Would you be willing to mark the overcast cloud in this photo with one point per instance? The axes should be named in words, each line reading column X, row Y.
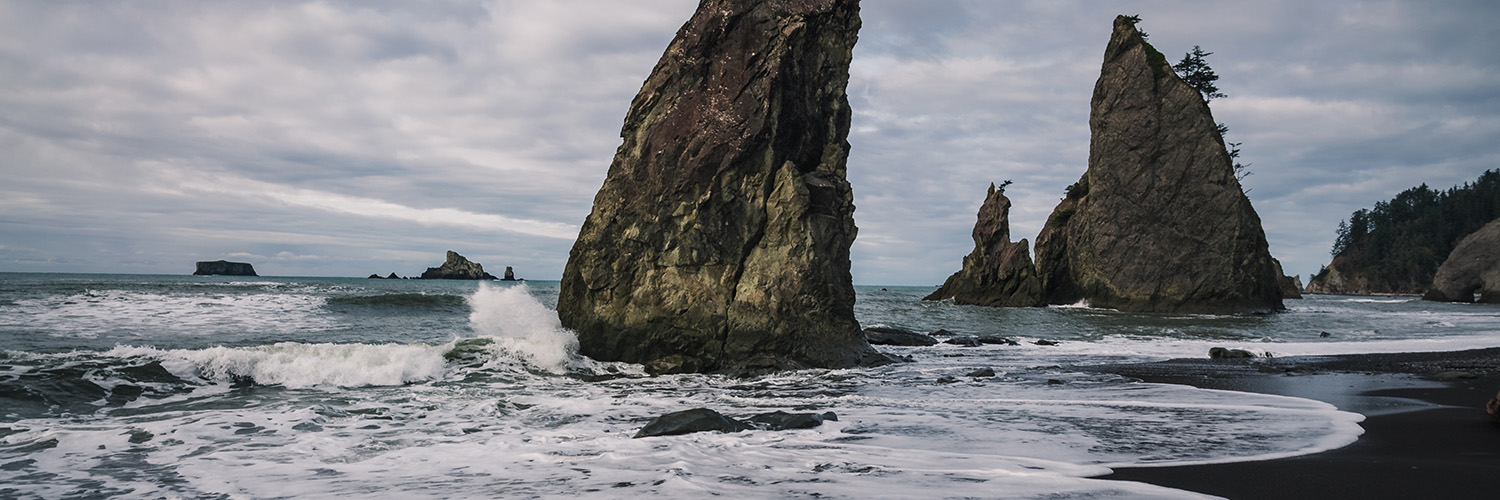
column 340, row 138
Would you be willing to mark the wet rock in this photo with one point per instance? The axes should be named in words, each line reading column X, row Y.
column 1158, row 223
column 1045, row 342
column 780, row 420
column 224, row 268
column 981, row 373
column 690, row 421
column 998, row 272
column 964, row 341
column 723, row 228
column 1225, row 353
column 673, row 364
column 1493, row 408
column 456, row 267
column 1473, row 266
column 993, row 340
column 947, row 379
column 881, row 335
column 941, row 333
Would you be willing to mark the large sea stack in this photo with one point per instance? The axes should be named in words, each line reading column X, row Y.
column 720, row 239
column 1474, row 266
column 224, row 268
column 1158, row 223
column 998, row 272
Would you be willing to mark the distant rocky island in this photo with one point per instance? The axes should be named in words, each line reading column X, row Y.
column 224, row 268
column 720, row 239
column 1396, row 247
column 456, row 267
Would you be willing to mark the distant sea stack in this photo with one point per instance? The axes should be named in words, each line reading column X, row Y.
column 456, row 267
column 224, row 268
column 998, row 272
column 510, row 274
column 1158, row 223
column 720, row 239
column 1473, row 266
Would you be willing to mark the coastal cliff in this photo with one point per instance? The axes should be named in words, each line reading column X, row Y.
column 720, row 239
column 1474, row 266
column 998, row 272
column 1158, row 223
column 224, row 268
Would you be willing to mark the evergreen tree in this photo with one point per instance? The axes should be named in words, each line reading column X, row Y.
column 1195, row 72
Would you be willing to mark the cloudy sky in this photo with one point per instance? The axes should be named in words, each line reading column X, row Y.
column 335, row 138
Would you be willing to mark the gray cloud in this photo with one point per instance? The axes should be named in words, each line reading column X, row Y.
column 344, row 138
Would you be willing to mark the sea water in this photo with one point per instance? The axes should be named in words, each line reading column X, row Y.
column 124, row 386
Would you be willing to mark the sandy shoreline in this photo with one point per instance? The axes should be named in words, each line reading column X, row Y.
column 1426, row 431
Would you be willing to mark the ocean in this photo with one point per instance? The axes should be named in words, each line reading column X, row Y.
column 148, row 386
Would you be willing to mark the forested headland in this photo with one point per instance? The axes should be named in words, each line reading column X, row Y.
column 1397, row 246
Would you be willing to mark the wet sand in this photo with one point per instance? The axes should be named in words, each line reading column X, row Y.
column 1426, row 431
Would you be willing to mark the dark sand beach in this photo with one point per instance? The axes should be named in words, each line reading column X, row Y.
column 1426, row 431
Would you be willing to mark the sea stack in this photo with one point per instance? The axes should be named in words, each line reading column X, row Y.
column 456, row 267
column 224, row 268
column 1474, row 265
column 720, row 239
column 1158, row 223
column 998, row 272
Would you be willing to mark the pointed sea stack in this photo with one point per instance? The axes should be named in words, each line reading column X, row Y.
column 1158, row 222
column 1474, row 266
column 720, row 239
column 997, row 272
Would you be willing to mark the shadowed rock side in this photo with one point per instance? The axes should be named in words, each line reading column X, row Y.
column 720, row 239
column 1473, row 266
column 456, row 267
column 1158, row 223
column 998, row 272
column 1291, row 286
column 224, row 268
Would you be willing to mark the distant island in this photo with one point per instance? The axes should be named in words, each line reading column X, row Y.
column 224, row 268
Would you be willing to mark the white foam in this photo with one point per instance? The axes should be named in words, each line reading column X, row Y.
column 298, row 365
column 147, row 314
column 522, row 326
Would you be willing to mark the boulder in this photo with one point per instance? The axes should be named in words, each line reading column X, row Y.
column 723, row 228
column 1473, row 266
column 998, row 272
column 1158, row 223
column 880, row 335
column 690, row 421
column 780, row 420
column 224, row 268
column 1493, row 408
column 1224, row 353
column 456, row 267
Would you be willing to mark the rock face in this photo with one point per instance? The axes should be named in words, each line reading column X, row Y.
column 1291, row 286
column 721, row 236
column 224, row 268
column 1333, row 281
column 1158, row 223
column 1473, row 266
column 998, row 272
column 456, row 267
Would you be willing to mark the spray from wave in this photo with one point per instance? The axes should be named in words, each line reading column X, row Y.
column 523, row 327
